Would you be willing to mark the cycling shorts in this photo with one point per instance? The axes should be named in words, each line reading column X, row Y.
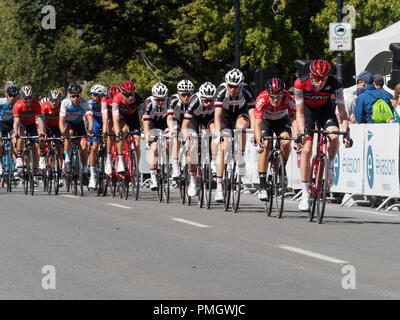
column 79, row 128
column 196, row 122
column 228, row 119
column 269, row 127
column 5, row 128
column 322, row 117
column 132, row 120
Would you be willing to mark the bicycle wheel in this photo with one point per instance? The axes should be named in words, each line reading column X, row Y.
column 122, row 186
column 322, row 181
column 236, row 186
column 182, row 179
column 270, row 190
column 80, row 173
column 56, row 176
column 313, row 190
column 200, row 186
column 207, row 184
column 100, row 181
column 31, row 174
column 279, row 185
column 166, row 173
column 10, row 172
column 74, row 173
column 48, row 172
column 227, row 186
column 159, row 183
column 135, row 178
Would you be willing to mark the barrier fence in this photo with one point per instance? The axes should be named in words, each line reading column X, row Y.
column 369, row 168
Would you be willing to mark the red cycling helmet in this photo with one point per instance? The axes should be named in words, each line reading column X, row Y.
column 320, row 68
column 275, row 86
column 127, row 87
column 113, row 90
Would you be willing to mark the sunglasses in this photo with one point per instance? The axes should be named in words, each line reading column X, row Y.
column 232, row 87
column 320, row 78
column 13, row 95
column 55, row 100
column 185, row 94
column 159, row 99
column 275, row 96
column 95, row 95
column 75, row 96
column 208, row 100
column 359, row 81
column 128, row 95
column 28, row 98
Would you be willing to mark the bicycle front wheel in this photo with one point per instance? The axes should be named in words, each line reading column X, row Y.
column 279, row 185
column 227, row 186
column 236, row 185
column 135, row 177
column 207, row 184
column 165, row 181
column 322, row 187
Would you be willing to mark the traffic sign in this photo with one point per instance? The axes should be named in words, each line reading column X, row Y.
column 340, row 36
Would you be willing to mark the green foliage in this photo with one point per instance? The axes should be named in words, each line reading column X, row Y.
column 155, row 40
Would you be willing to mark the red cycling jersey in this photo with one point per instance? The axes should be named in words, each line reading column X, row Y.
column 27, row 115
column 304, row 92
column 51, row 116
column 264, row 109
column 119, row 106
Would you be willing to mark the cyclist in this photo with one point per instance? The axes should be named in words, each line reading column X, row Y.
column 6, row 115
column 106, row 107
column 315, row 106
column 155, row 117
column 275, row 110
column 26, row 111
column 125, row 111
column 177, row 106
column 200, row 112
column 233, row 100
column 72, row 111
column 51, row 114
column 100, row 118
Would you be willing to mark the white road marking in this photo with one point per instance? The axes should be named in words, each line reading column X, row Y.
column 378, row 213
column 118, row 205
column 312, row 254
column 191, row 223
column 71, row 196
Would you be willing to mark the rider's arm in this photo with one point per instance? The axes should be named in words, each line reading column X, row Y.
column 185, row 127
column 299, row 110
column 217, row 119
column 115, row 114
column 16, row 118
column 104, row 114
column 257, row 130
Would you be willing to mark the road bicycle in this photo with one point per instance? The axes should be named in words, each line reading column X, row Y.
column 7, row 163
column 28, row 168
column 52, row 173
column 74, row 176
column 276, row 178
column 319, row 176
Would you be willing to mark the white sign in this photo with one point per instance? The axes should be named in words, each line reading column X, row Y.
column 349, row 163
column 381, row 174
column 340, row 36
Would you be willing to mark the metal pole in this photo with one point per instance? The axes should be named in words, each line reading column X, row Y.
column 339, row 53
column 237, row 34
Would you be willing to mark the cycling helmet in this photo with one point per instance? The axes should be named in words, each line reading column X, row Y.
column 12, row 90
column 26, row 91
column 114, row 89
column 207, row 90
column 43, row 100
column 74, row 88
column 234, row 77
column 185, row 85
column 99, row 90
column 320, row 68
column 127, row 87
column 55, row 95
column 275, row 86
column 159, row 90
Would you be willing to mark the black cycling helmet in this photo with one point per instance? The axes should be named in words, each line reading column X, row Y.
column 12, row 90
column 275, row 86
column 74, row 88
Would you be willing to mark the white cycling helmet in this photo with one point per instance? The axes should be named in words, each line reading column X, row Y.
column 99, row 89
column 185, row 85
column 234, row 77
column 159, row 90
column 26, row 91
column 207, row 90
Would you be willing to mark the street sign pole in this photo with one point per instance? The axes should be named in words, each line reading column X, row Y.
column 237, row 34
column 339, row 53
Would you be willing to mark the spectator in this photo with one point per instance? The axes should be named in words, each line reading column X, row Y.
column 363, row 79
column 367, row 96
column 396, row 100
column 378, row 83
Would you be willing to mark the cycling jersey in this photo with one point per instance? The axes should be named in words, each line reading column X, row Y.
column 244, row 98
column 156, row 115
column 198, row 114
column 304, row 91
column 119, row 106
column 27, row 114
column 97, row 110
column 264, row 109
column 6, row 111
column 51, row 116
column 197, row 109
column 177, row 108
column 74, row 115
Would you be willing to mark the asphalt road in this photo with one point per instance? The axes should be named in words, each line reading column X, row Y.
column 65, row 247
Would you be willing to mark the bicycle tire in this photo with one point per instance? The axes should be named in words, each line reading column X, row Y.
column 227, row 187
column 200, row 185
column 279, row 185
column 100, row 173
column 56, row 175
column 236, row 186
column 312, row 183
column 322, row 190
column 80, row 172
column 48, row 172
column 159, row 184
column 135, row 179
column 207, row 184
column 166, row 181
column 10, row 171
